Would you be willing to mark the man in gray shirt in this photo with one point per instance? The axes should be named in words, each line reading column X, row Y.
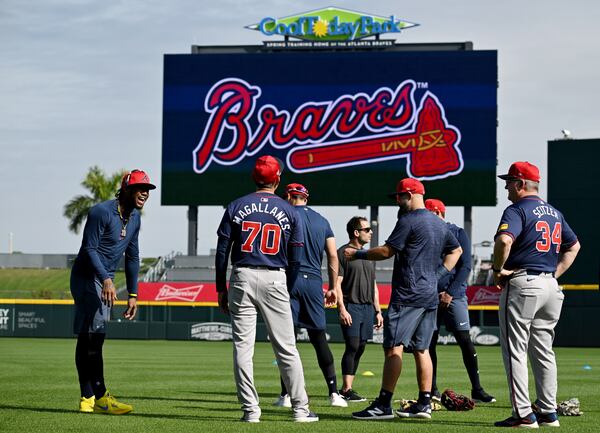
column 358, row 302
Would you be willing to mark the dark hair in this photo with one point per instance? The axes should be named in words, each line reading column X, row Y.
column 354, row 224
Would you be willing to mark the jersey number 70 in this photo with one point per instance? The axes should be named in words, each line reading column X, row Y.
column 544, row 245
column 270, row 235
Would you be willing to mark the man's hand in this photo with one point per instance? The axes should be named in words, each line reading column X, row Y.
column 378, row 320
column 445, row 300
column 131, row 311
column 223, row 302
column 109, row 293
column 345, row 317
column 330, row 298
column 500, row 278
column 349, row 253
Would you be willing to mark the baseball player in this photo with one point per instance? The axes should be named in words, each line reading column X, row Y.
column 264, row 236
column 111, row 230
column 418, row 241
column 453, row 309
column 533, row 247
column 358, row 304
column 306, row 292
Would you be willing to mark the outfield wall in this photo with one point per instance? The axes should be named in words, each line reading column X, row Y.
column 204, row 321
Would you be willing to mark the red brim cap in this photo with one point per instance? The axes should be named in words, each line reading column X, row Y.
column 409, row 185
column 523, row 170
column 267, row 170
column 137, row 177
column 296, row 189
column 433, row 204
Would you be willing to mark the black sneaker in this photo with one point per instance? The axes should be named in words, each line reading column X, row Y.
column 547, row 419
column 529, row 421
column 351, row 396
column 416, row 410
column 374, row 411
column 480, row 396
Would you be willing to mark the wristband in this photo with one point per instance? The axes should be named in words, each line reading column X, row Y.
column 496, row 270
column 361, row 254
column 377, row 311
column 132, row 295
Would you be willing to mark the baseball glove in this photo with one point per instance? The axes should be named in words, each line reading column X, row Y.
column 456, row 402
column 569, row 408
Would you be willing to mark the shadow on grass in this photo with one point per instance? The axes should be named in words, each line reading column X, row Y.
column 129, row 415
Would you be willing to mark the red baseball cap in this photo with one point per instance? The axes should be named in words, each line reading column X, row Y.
column 296, row 189
column 409, row 185
column 136, row 177
column 522, row 170
column 267, row 170
column 433, row 204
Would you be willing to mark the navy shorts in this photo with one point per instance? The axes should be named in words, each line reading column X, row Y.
column 456, row 316
column 307, row 302
column 362, row 321
column 91, row 314
column 411, row 327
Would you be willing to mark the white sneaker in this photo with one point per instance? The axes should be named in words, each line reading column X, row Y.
column 337, row 400
column 283, row 401
column 311, row 417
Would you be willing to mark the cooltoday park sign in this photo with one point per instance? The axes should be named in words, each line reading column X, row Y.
column 330, row 27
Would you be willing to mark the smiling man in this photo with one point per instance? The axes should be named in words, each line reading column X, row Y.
column 111, row 230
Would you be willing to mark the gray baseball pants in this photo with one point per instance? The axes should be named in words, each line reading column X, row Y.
column 529, row 310
column 250, row 291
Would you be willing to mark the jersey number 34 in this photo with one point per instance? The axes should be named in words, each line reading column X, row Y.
column 270, row 235
column 549, row 238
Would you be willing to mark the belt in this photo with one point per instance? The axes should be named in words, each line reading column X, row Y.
column 265, row 268
column 531, row 272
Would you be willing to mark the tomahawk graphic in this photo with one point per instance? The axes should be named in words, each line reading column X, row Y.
column 431, row 149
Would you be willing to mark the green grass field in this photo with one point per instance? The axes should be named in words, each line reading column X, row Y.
column 184, row 386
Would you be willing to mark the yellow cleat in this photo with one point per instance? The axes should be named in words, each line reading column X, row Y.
column 109, row 405
column 86, row 405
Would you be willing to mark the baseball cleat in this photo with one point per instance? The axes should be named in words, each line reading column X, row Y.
column 375, row 411
column 416, row 410
column 109, row 405
column 86, row 405
column 283, row 401
column 351, row 396
column 547, row 419
column 311, row 417
column 529, row 421
column 480, row 396
column 337, row 400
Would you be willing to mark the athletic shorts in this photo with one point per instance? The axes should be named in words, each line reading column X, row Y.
column 307, row 302
column 362, row 321
column 456, row 316
column 91, row 314
column 411, row 327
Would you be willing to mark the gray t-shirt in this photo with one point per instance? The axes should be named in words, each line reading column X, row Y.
column 358, row 284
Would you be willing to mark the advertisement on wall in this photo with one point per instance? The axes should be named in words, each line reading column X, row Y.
column 339, row 121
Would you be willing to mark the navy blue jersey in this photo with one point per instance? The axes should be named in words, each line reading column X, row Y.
column 258, row 227
column 538, row 231
column 316, row 230
column 420, row 238
column 455, row 283
column 102, row 246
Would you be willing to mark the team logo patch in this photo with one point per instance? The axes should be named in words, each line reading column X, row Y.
column 503, row 227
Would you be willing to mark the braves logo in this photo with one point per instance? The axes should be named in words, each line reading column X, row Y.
column 397, row 127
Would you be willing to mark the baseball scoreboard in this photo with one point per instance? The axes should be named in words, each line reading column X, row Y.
column 348, row 125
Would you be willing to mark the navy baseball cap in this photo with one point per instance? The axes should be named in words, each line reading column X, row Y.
column 136, row 177
column 267, row 170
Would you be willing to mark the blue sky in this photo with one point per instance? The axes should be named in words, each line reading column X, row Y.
column 81, row 85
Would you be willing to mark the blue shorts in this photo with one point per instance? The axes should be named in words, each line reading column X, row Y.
column 362, row 321
column 411, row 327
column 456, row 316
column 307, row 302
column 91, row 314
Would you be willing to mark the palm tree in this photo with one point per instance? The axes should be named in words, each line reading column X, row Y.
column 101, row 187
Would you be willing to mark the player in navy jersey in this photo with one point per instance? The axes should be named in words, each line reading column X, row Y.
column 111, row 231
column 417, row 242
column 306, row 292
column 533, row 247
column 264, row 236
column 453, row 309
